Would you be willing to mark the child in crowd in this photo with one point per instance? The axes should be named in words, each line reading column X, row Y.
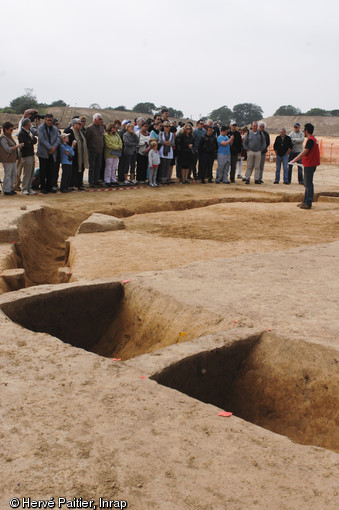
column 66, row 153
column 153, row 162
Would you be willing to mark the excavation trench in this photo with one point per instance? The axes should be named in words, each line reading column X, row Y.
column 291, row 388
column 41, row 245
column 111, row 320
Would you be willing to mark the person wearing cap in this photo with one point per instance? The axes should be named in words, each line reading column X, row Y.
column 122, row 159
column 262, row 130
column 27, row 153
column 297, row 137
column 236, row 148
column 310, row 159
column 83, row 124
column 66, row 156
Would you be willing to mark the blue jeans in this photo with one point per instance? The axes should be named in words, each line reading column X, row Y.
column 284, row 161
column 308, row 183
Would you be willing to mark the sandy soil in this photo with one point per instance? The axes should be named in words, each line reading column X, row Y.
column 224, row 265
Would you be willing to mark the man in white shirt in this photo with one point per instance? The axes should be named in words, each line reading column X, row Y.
column 297, row 137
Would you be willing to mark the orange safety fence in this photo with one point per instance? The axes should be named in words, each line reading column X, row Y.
column 329, row 152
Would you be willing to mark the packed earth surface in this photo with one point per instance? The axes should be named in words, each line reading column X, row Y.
column 121, row 345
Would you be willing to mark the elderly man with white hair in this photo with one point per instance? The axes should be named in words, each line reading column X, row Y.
column 95, row 144
column 139, row 122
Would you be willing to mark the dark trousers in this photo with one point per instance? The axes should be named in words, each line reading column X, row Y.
column 130, row 163
column 193, row 168
column 121, row 168
column 142, row 164
column 102, row 169
column 291, row 156
column 308, row 183
column 205, row 165
column 66, row 177
column 178, row 169
column 234, row 161
column 47, row 166
column 95, row 162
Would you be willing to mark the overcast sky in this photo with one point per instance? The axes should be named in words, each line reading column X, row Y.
column 193, row 55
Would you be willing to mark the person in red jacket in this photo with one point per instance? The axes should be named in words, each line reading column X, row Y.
column 310, row 160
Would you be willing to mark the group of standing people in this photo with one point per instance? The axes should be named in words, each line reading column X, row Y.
column 132, row 152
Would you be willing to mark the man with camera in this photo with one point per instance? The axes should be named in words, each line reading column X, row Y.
column 48, row 141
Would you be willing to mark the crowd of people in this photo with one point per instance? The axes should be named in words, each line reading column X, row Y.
column 141, row 151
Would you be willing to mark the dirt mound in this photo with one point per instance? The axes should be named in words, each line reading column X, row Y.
column 324, row 126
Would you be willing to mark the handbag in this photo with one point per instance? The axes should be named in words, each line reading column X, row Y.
column 146, row 151
column 113, row 152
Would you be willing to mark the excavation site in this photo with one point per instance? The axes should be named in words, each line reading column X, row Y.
column 173, row 347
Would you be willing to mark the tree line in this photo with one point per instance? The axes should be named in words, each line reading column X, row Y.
column 242, row 113
column 317, row 112
column 29, row 100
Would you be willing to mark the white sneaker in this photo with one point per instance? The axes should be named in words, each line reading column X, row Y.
column 127, row 181
column 25, row 192
column 31, row 192
column 134, row 181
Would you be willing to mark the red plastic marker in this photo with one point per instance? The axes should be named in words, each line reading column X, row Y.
column 225, row 413
column 126, row 281
column 268, row 330
column 116, row 359
column 143, row 377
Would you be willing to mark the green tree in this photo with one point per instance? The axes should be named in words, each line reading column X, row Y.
column 223, row 115
column 178, row 114
column 121, row 108
column 96, row 106
column 334, row 113
column 59, row 102
column 245, row 113
column 7, row 109
column 317, row 112
column 287, row 110
column 144, row 108
column 24, row 102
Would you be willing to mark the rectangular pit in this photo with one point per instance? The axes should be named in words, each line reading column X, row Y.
column 291, row 388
